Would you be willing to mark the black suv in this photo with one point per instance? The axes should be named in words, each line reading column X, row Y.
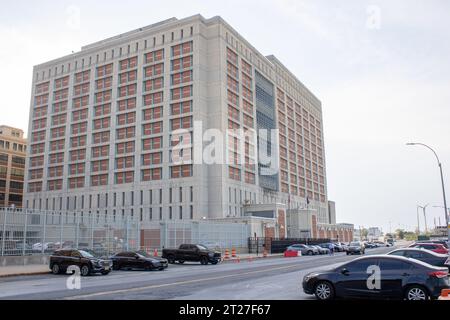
column 61, row 260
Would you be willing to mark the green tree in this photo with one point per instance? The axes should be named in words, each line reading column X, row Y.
column 400, row 233
column 410, row 236
column 364, row 233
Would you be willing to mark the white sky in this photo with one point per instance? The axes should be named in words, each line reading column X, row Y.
column 380, row 68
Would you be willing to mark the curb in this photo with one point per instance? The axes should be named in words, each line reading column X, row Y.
column 253, row 258
column 24, row 274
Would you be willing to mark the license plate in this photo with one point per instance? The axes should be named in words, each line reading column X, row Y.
column 107, row 268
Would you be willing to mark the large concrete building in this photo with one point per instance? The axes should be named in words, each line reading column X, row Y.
column 12, row 166
column 103, row 121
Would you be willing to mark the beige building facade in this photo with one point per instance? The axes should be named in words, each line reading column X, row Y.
column 102, row 125
column 13, row 147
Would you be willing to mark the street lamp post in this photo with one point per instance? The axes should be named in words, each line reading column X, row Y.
column 418, row 221
column 424, row 208
column 442, row 183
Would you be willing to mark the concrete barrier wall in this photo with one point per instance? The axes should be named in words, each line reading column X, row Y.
column 23, row 260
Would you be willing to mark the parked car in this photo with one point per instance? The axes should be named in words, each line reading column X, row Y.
column 327, row 245
column 443, row 242
column 137, row 260
column 338, row 247
column 60, row 260
column 192, row 252
column 16, row 248
column 436, row 247
column 320, row 249
column 356, row 247
column 305, row 250
column 380, row 244
column 401, row 278
column 344, row 246
column 314, row 248
column 48, row 247
column 369, row 245
column 430, row 257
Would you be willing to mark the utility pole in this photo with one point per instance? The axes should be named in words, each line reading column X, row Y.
column 418, row 221
column 424, row 215
column 447, row 222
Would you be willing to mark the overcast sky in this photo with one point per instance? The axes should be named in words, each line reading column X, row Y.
column 380, row 68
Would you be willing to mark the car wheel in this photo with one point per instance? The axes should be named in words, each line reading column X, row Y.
column 171, row 258
column 180, row 261
column 56, row 269
column 214, row 262
column 85, row 270
column 204, row 260
column 148, row 267
column 348, row 253
column 105, row 272
column 324, row 291
column 416, row 292
column 309, row 253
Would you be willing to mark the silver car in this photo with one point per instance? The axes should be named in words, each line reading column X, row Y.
column 304, row 249
column 321, row 250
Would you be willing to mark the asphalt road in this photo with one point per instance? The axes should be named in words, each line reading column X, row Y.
column 272, row 278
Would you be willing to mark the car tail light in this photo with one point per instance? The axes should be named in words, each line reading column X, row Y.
column 438, row 274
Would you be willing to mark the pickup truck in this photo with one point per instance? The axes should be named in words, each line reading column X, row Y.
column 191, row 252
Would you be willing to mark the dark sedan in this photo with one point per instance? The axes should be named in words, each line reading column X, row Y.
column 430, row 257
column 137, row 260
column 378, row 277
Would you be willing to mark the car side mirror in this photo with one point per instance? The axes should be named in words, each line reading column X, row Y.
column 344, row 271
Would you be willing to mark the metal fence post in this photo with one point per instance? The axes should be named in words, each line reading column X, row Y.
column 77, row 232
column 4, row 231
column 91, row 240
column 44, row 231
column 126, row 233
column 61, row 229
column 138, row 233
column 25, row 230
column 175, row 236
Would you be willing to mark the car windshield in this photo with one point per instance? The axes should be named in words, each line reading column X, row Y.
column 86, row 254
column 202, row 247
column 354, row 243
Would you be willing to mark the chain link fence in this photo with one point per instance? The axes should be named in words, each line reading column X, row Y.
column 32, row 232
column 35, row 232
column 214, row 235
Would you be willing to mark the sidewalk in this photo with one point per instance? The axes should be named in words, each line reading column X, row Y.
column 246, row 257
column 11, row 271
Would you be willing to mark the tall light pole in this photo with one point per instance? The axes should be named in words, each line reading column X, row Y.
column 418, row 221
column 442, row 183
column 424, row 208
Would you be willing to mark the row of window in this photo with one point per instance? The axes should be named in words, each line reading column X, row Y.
column 12, row 185
column 152, row 174
column 7, row 145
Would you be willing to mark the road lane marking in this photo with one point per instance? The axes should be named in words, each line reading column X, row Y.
column 172, row 284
